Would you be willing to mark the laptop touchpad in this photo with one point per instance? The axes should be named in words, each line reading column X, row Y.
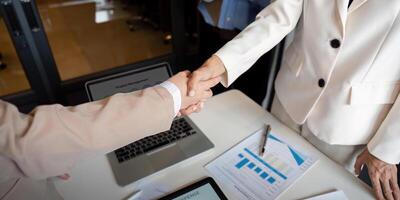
column 165, row 157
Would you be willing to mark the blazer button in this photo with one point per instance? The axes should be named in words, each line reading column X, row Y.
column 335, row 43
column 321, row 83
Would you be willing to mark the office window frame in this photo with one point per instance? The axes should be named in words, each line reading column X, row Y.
column 42, row 80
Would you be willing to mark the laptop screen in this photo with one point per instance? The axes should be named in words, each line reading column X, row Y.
column 127, row 81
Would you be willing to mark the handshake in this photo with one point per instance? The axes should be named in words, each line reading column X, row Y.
column 196, row 87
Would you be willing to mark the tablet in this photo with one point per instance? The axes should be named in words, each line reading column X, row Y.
column 206, row 189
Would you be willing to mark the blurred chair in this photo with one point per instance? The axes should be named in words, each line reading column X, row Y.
column 150, row 13
column 147, row 14
column 2, row 64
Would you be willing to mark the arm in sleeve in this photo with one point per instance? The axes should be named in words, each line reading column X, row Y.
column 51, row 139
column 271, row 25
column 385, row 143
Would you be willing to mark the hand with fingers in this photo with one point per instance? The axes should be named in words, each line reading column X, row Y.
column 383, row 176
column 64, row 177
column 210, row 72
column 195, row 102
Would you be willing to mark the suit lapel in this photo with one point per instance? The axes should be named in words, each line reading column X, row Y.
column 342, row 9
column 356, row 4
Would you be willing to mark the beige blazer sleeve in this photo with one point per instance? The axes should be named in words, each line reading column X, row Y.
column 271, row 26
column 51, row 139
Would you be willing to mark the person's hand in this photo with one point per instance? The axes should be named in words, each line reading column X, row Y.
column 204, row 92
column 383, row 176
column 212, row 68
column 64, row 177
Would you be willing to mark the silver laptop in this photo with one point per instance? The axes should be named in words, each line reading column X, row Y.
column 156, row 152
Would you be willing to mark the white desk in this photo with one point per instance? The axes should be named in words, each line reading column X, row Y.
column 226, row 119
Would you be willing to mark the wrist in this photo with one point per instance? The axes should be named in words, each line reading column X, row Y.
column 176, row 94
column 216, row 64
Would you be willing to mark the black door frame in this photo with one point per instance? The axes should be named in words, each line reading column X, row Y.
column 44, row 86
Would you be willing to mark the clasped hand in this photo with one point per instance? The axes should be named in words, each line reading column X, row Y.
column 194, row 102
column 196, row 87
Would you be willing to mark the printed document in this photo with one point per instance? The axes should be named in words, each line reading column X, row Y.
column 245, row 175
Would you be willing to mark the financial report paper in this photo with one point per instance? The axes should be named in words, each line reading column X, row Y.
column 246, row 175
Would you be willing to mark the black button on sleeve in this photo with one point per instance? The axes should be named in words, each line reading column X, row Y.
column 335, row 43
column 321, row 83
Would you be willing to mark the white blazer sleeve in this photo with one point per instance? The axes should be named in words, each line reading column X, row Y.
column 385, row 145
column 271, row 26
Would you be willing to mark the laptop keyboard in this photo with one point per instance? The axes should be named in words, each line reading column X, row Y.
column 180, row 129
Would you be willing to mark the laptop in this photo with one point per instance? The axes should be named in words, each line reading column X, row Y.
column 159, row 151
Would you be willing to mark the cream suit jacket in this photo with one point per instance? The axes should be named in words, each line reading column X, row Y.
column 345, row 90
column 51, row 139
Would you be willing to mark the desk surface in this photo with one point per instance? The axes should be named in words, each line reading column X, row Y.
column 226, row 119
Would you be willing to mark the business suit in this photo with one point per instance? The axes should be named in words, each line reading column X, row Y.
column 230, row 14
column 340, row 76
column 51, row 139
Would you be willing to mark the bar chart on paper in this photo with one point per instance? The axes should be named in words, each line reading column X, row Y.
column 248, row 176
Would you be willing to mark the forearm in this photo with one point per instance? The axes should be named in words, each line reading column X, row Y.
column 271, row 26
column 52, row 139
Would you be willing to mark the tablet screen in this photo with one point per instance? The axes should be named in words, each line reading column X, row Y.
column 206, row 189
column 205, row 192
